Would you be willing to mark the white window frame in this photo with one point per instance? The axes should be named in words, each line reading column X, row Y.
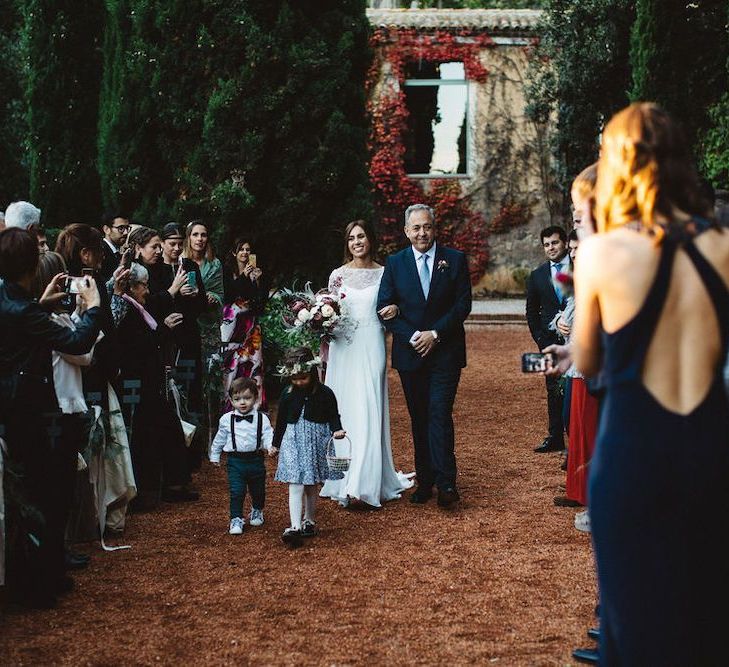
column 469, row 115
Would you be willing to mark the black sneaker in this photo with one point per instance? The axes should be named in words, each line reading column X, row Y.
column 309, row 529
column 292, row 538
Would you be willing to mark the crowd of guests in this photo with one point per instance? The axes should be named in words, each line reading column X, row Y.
column 113, row 349
column 632, row 304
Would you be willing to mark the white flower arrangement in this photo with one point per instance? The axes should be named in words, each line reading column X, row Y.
column 289, row 370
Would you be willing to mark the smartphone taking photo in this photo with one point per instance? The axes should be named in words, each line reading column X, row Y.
column 537, row 362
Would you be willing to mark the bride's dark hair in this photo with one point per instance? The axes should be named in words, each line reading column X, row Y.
column 369, row 233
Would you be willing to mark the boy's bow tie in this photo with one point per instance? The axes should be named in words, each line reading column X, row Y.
column 240, row 418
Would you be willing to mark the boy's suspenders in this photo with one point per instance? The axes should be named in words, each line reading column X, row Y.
column 259, row 432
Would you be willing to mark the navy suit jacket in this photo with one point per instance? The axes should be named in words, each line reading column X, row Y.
column 542, row 305
column 445, row 310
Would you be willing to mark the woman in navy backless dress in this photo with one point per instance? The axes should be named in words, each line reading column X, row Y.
column 659, row 480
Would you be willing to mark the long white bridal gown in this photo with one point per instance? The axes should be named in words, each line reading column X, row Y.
column 357, row 374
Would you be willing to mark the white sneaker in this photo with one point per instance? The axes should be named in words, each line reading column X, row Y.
column 236, row 526
column 582, row 521
column 256, row 518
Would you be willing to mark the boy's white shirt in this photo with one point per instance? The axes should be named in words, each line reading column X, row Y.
column 245, row 435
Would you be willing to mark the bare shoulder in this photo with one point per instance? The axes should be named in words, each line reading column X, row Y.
column 614, row 252
column 714, row 243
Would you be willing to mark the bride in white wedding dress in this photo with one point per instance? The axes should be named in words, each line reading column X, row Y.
column 357, row 374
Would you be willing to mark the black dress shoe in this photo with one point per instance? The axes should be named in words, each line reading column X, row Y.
column 292, row 538
column 594, row 633
column 76, row 561
column 77, row 555
column 564, row 501
column 550, row 445
column 588, row 656
column 420, row 496
column 447, row 496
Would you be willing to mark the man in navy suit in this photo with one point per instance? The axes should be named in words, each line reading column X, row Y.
column 430, row 285
column 544, row 300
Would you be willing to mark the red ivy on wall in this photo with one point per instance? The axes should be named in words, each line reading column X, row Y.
column 458, row 225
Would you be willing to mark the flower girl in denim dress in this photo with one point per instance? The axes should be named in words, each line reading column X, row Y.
column 307, row 418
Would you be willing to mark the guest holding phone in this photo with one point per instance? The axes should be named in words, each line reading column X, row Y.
column 198, row 248
column 245, row 295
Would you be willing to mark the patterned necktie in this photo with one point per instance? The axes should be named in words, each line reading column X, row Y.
column 424, row 273
column 557, row 287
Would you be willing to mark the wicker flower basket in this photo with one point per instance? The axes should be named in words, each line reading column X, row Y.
column 338, row 463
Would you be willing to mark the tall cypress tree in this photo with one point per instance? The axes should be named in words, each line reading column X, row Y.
column 678, row 54
column 14, row 173
column 580, row 77
column 283, row 156
column 60, row 46
column 157, row 76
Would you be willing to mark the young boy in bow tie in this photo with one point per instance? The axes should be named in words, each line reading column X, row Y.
column 243, row 434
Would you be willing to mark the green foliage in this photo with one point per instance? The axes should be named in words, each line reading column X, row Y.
column 14, row 174
column 277, row 337
column 250, row 115
column 156, row 74
column 580, row 77
column 715, row 148
column 678, row 52
column 60, row 52
column 283, row 153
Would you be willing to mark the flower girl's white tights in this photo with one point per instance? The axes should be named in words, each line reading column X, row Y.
column 302, row 497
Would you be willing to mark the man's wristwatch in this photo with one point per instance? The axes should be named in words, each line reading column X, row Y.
column 435, row 335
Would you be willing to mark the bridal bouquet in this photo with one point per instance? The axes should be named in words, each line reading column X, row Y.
column 322, row 313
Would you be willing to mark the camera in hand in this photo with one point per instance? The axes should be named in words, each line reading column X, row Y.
column 73, row 283
column 537, row 362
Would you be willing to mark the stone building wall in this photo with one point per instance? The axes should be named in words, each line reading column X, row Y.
column 509, row 166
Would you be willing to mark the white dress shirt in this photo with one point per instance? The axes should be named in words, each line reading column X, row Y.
column 245, row 435
column 114, row 248
column 430, row 253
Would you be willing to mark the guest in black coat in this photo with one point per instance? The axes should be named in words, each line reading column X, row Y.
column 544, row 300
column 158, row 448
column 116, row 228
column 29, row 335
column 190, row 302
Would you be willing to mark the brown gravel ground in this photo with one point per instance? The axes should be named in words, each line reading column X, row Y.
column 503, row 579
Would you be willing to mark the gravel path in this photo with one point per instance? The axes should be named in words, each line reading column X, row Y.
column 504, row 579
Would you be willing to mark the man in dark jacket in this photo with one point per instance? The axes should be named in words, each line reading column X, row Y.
column 116, row 229
column 544, row 300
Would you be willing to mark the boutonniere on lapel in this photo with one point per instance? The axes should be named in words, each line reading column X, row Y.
column 443, row 265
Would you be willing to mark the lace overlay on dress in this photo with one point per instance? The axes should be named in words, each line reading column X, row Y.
column 346, row 276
